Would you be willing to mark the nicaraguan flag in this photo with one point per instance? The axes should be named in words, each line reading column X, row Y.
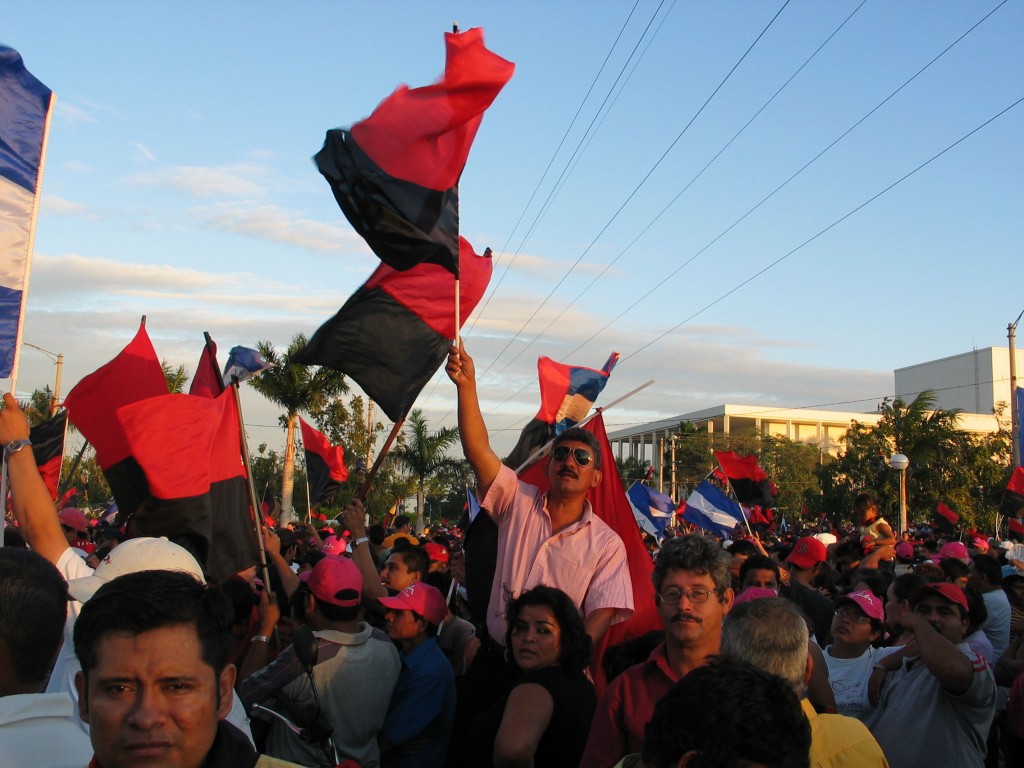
column 473, row 506
column 25, row 105
column 652, row 509
column 243, row 363
column 712, row 510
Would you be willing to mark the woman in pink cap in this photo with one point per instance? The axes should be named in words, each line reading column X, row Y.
column 851, row 658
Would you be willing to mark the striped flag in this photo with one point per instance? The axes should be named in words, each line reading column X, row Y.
column 652, row 509
column 712, row 510
column 25, row 108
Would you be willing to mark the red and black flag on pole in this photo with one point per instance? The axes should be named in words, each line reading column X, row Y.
column 325, row 464
column 1012, row 504
column 396, row 173
column 945, row 518
column 135, row 374
column 749, row 482
column 48, row 448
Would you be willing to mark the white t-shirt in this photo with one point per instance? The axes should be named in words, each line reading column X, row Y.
column 849, row 681
column 41, row 729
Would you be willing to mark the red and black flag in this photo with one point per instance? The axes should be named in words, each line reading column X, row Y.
column 48, row 448
column 1012, row 504
column 749, row 482
column 189, row 449
column 207, row 381
column 394, row 332
column 396, row 173
column 325, row 464
column 1015, row 529
column 135, row 374
column 945, row 518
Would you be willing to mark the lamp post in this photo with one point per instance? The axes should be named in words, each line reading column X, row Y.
column 59, row 358
column 899, row 462
column 1015, row 415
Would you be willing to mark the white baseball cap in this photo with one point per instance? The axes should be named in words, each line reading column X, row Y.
column 141, row 554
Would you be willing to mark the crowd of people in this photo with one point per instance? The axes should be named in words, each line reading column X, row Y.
column 477, row 646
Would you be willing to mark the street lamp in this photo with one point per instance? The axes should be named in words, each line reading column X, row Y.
column 899, row 462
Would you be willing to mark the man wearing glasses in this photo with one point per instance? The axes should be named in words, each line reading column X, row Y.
column 693, row 592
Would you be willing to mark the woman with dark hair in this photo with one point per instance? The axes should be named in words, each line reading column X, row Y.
column 545, row 717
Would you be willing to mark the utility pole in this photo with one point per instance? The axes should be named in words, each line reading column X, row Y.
column 1011, row 332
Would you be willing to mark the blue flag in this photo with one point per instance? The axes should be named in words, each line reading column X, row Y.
column 652, row 509
column 712, row 510
column 473, row 505
column 243, row 363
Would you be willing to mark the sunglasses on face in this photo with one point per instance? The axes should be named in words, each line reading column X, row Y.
column 581, row 456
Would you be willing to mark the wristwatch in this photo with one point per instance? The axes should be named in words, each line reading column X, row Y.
column 360, row 540
column 14, row 446
column 260, row 639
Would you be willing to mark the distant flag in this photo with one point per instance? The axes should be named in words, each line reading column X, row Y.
column 207, row 381
column 48, row 448
column 1016, row 529
column 65, row 500
column 567, row 393
column 325, row 464
column 393, row 333
column 749, row 482
column 652, row 509
column 783, row 525
column 396, row 173
column 709, row 508
column 472, row 505
column 1013, row 498
column 243, row 363
column 25, row 108
column 135, row 374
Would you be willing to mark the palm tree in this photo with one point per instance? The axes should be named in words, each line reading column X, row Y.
column 296, row 388
column 175, row 377
column 424, row 456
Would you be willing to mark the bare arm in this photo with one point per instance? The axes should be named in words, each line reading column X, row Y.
column 289, row 580
column 258, row 655
column 354, row 518
column 597, row 623
column 472, row 429
column 943, row 659
column 33, row 507
column 527, row 715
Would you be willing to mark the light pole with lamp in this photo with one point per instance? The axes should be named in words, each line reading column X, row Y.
column 899, row 462
column 1011, row 332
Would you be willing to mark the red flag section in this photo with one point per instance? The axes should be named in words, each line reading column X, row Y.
column 207, row 381
column 395, row 174
column 947, row 514
column 325, row 464
column 749, row 482
column 1016, row 529
column 135, row 374
column 1013, row 498
column 611, row 505
column 48, row 449
column 394, row 332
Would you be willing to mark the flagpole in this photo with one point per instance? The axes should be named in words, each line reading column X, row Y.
column 368, row 480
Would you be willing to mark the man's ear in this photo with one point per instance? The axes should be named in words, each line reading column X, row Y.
column 82, row 686
column 597, row 478
column 809, row 669
column 225, row 690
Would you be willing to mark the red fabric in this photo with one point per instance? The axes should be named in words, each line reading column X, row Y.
column 611, row 505
column 1016, row 484
column 1016, row 526
column 48, row 450
column 135, row 374
column 738, row 467
column 423, row 135
column 947, row 513
column 554, row 383
column 428, row 290
column 332, row 455
column 207, row 381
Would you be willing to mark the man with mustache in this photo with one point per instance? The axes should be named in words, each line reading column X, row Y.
column 693, row 592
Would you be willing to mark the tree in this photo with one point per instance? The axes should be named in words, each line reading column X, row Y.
column 296, row 388
column 424, row 456
column 632, row 469
column 175, row 377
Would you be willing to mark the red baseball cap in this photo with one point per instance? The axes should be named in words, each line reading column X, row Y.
column 335, row 580
column 950, row 592
column 438, row 553
column 419, row 598
column 868, row 603
column 807, row 553
column 74, row 518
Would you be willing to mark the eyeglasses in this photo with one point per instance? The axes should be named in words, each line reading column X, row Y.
column 581, row 456
column 672, row 596
column 853, row 616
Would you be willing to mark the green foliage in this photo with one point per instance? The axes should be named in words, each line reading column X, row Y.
column 37, row 407
column 424, row 456
column 87, row 478
column 632, row 469
column 175, row 377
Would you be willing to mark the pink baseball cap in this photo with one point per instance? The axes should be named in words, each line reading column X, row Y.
column 868, row 603
column 905, row 550
column 754, row 593
column 807, row 553
column 335, row 580
column 419, row 598
column 75, row 518
column 955, row 550
column 950, row 592
column 334, row 545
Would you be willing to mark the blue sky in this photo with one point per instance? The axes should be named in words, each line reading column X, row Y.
column 179, row 185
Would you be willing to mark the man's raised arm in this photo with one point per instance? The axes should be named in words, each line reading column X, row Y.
column 475, row 442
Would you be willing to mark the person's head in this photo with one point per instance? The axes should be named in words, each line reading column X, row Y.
column 575, row 464
column 897, row 597
column 848, row 555
column 439, row 555
column 874, row 580
column 865, row 507
column 402, row 524
column 414, row 614
column 944, row 606
column 143, row 553
column 772, row 635
column 977, row 611
column 155, row 680
column 985, row 573
column 1013, row 586
column 693, row 592
column 376, row 534
column 954, row 571
column 404, row 566
column 739, row 551
column 333, row 589
column 807, row 554
column 857, row 623
column 545, row 630
column 760, row 571
column 753, row 718
column 33, row 608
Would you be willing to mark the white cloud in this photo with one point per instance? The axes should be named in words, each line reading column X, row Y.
column 72, row 113
column 54, row 204
column 241, row 180
column 142, row 153
column 279, row 225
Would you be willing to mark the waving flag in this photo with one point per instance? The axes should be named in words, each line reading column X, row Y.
column 567, row 393
column 48, row 448
column 749, row 482
column 394, row 332
column 652, row 509
column 710, row 509
column 243, row 363
column 396, row 173
column 25, row 108
column 325, row 464
column 472, row 505
column 207, row 381
column 1012, row 504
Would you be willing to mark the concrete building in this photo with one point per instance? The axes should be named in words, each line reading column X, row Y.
column 975, row 382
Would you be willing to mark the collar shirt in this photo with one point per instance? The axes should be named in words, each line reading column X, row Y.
column 838, row 741
column 40, row 729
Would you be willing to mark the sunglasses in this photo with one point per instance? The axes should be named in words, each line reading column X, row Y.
column 581, row 456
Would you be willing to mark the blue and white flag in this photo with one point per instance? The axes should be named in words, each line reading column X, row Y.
column 472, row 505
column 652, row 509
column 243, row 363
column 709, row 508
column 25, row 106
